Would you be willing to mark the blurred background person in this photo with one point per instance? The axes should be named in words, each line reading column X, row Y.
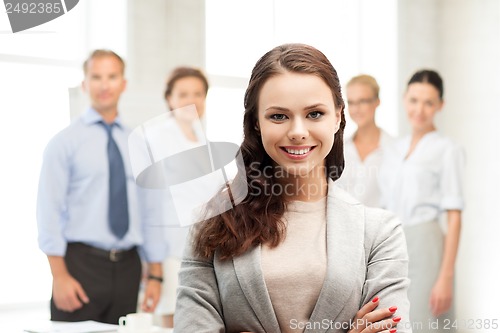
column 92, row 218
column 185, row 86
column 363, row 150
column 421, row 178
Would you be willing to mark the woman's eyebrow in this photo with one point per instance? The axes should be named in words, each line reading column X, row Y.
column 277, row 108
column 314, row 106
column 280, row 108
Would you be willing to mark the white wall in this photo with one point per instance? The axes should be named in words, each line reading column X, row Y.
column 461, row 39
column 470, row 62
column 418, row 44
column 162, row 34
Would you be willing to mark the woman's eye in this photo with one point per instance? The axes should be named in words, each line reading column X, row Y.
column 278, row 117
column 315, row 114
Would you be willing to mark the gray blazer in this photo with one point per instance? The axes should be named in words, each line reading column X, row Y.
column 367, row 257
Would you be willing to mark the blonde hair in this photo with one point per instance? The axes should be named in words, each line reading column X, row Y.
column 366, row 80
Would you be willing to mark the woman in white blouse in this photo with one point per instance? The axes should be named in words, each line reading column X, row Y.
column 421, row 178
column 182, row 130
column 363, row 150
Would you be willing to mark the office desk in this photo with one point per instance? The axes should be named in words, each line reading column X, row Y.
column 47, row 326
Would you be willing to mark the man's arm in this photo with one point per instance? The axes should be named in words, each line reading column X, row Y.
column 153, row 287
column 154, row 246
column 52, row 191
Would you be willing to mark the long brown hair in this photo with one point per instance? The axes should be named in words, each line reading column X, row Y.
column 258, row 218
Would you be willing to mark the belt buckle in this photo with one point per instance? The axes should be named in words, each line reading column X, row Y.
column 114, row 255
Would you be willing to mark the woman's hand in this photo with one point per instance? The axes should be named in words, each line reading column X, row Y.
column 441, row 296
column 369, row 320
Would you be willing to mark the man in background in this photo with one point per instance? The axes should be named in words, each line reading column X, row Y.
column 92, row 218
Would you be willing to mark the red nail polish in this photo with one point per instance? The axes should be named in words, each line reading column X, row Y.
column 396, row 319
column 393, row 331
column 393, row 308
column 375, row 300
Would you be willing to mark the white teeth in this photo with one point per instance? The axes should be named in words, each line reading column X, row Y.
column 297, row 151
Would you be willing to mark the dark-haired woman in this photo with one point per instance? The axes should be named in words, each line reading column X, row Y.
column 421, row 178
column 185, row 94
column 297, row 254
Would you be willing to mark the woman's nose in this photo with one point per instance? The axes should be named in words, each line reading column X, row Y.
column 298, row 131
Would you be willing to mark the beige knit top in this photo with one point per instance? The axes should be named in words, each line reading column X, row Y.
column 294, row 271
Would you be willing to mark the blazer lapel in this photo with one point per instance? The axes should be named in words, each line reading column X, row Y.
column 249, row 274
column 344, row 239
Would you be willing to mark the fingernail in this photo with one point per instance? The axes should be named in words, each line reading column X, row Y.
column 375, row 300
column 393, row 331
column 393, row 308
column 396, row 319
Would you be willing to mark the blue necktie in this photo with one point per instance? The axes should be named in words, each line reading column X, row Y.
column 118, row 204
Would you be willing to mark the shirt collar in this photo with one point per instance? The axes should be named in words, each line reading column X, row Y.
column 91, row 116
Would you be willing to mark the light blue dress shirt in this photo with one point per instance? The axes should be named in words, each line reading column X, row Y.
column 72, row 203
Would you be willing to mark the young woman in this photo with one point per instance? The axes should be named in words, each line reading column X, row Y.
column 297, row 254
column 186, row 87
column 421, row 178
column 364, row 149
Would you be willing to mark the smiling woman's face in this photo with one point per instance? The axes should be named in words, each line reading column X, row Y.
column 422, row 103
column 186, row 91
column 297, row 120
column 362, row 103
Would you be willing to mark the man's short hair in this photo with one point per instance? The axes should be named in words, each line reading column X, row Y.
column 102, row 53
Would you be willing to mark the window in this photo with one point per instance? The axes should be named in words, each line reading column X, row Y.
column 357, row 36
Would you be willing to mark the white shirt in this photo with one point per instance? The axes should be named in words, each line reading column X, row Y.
column 418, row 189
column 179, row 201
column 360, row 178
column 175, row 233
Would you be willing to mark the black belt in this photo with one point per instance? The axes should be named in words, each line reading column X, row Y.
column 112, row 255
